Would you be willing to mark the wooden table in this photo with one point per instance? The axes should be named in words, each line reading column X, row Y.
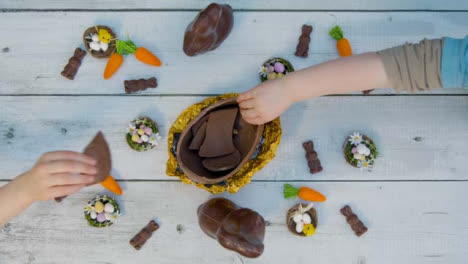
column 414, row 202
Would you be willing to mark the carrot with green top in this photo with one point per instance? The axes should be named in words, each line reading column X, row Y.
column 342, row 44
column 305, row 193
column 111, row 184
column 113, row 64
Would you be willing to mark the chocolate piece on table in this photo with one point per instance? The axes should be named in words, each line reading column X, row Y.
column 73, row 64
column 132, row 86
column 302, row 49
column 222, row 163
column 197, row 125
column 312, row 157
column 198, row 137
column 218, row 139
column 209, row 29
column 99, row 150
column 140, row 239
column 235, row 228
column 367, row 92
column 358, row 227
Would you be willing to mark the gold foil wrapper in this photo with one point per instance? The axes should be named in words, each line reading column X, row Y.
column 271, row 134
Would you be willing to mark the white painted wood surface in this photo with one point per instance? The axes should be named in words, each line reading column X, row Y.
column 239, row 4
column 39, row 51
column 393, row 122
column 412, row 222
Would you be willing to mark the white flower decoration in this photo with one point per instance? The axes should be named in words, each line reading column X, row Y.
column 355, row 138
column 154, row 139
column 357, row 156
column 263, row 71
column 364, row 165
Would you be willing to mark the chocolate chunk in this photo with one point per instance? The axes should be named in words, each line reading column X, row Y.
column 198, row 124
column 235, row 228
column 222, row 163
column 367, row 92
column 302, row 49
column 132, row 86
column 140, row 239
column 356, row 225
column 312, row 157
column 218, row 139
column 73, row 64
column 209, row 29
column 198, row 138
column 99, row 150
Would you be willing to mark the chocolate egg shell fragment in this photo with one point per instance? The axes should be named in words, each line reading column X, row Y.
column 208, row 30
column 99, row 150
column 222, row 163
column 218, row 141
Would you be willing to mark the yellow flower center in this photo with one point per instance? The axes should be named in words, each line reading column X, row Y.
column 356, row 138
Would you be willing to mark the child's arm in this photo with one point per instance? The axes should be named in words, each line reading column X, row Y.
column 268, row 100
column 56, row 174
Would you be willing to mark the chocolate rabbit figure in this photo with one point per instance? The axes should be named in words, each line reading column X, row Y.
column 238, row 229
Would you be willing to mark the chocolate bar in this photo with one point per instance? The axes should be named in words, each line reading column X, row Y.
column 358, row 227
column 73, row 64
column 302, row 49
column 140, row 239
column 132, row 86
column 312, row 157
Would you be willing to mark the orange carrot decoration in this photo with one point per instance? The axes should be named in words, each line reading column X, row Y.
column 342, row 44
column 147, row 57
column 304, row 193
column 113, row 64
column 110, row 184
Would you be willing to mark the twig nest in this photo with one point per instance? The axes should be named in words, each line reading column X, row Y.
column 360, row 151
column 301, row 220
column 99, row 41
column 143, row 134
column 275, row 68
column 101, row 211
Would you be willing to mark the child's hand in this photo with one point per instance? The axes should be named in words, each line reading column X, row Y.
column 265, row 102
column 57, row 174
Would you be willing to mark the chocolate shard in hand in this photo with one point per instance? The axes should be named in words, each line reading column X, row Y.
column 140, row 239
column 312, row 157
column 302, row 49
column 222, row 163
column 132, row 86
column 208, row 30
column 356, row 225
column 198, row 137
column 99, row 150
column 73, row 64
column 218, row 139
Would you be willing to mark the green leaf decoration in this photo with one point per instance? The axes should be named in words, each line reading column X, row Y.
column 336, row 33
column 289, row 191
column 125, row 47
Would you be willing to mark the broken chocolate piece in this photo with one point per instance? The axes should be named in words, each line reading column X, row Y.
column 312, row 157
column 209, row 29
column 140, row 239
column 218, row 139
column 198, row 124
column 302, row 49
column 132, row 86
column 222, row 163
column 358, row 227
column 73, row 64
column 367, row 92
column 198, row 138
column 99, row 150
column 235, row 228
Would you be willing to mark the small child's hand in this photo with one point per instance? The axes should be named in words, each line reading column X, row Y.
column 265, row 102
column 57, row 174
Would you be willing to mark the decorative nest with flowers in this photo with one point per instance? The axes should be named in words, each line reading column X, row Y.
column 101, row 211
column 360, row 151
column 100, row 41
column 275, row 68
column 143, row 134
column 301, row 219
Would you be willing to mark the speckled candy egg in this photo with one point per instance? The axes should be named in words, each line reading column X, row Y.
column 299, row 227
column 148, row 131
column 99, row 207
column 306, row 219
column 109, row 208
column 93, row 215
column 101, row 217
column 95, row 46
column 271, row 76
column 135, row 138
column 108, row 216
column 279, row 67
column 297, row 218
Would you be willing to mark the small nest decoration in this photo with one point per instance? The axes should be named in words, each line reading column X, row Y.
column 99, row 41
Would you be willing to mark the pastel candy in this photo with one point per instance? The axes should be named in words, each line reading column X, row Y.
column 148, row 131
column 99, row 207
column 109, row 208
column 101, row 217
column 279, row 67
